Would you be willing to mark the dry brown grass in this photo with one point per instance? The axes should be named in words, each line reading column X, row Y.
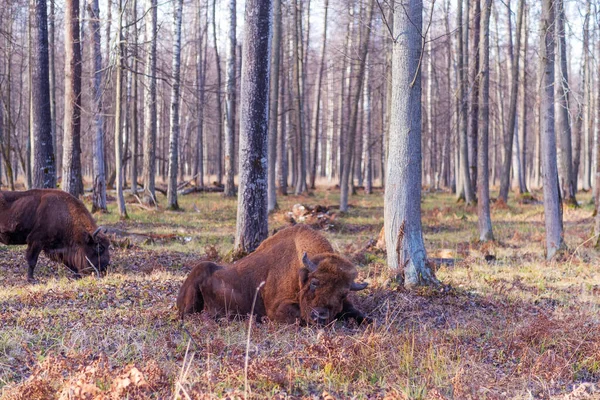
column 518, row 327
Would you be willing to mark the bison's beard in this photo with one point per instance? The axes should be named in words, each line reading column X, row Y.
column 74, row 259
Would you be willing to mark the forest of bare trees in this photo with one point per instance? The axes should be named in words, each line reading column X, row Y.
column 145, row 98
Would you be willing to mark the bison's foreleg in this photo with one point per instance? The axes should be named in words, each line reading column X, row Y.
column 348, row 311
column 287, row 312
column 32, row 255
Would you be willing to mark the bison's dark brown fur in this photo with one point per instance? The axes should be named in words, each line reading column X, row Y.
column 55, row 222
column 304, row 280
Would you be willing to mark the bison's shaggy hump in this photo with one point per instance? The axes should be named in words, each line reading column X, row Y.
column 304, row 280
column 55, row 222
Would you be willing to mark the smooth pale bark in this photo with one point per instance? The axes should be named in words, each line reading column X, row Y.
column 446, row 150
column 483, row 185
column 514, row 56
column 230, row 110
column 218, row 98
column 134, row 123
column 282, row 143
column 118, row 113
column 71, row 165
column 175, row 87
column 432, row 175
column 52, row 53
column 274, row 105
column 367, row 133
column 99, row 185
column 552, row 203
column 297, row 80
column 475, row 20
column 524, row 104
column 150, row 117
column 316, row 125
column 329, row 158
column 201, row 63
column 353, row 126
column 402, row 209
column 43, row 172
column 252, row 215
column 465, row 180
column 587, row 108
column 563, row 123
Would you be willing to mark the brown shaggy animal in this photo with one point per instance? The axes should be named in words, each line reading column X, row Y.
column 57, row 223
column 303, row 280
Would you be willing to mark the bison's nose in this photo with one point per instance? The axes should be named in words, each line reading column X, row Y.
column 320, row 316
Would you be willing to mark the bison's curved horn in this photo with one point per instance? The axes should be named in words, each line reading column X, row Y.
column 96, row 232
column 312, row 267
column 355, row 287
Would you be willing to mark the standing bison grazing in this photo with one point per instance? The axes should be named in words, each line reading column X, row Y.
column 55, row 222
column 304, row 280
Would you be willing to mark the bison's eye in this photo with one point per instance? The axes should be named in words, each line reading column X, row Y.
column 314, row 284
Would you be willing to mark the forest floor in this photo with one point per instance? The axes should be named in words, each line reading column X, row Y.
column 514, row 327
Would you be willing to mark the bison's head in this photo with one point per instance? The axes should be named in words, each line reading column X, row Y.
column 95, row 253
column 325, row 281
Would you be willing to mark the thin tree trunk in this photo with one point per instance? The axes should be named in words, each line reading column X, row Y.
column 71, row 165
column 43, row 173
column 483, row 186
column 367, row 136
column 274, row 105
column 99, row 185
column 230, row 104
column 523, row 104
column 150, row 116
column 402, row 210
column 512, row 110
column 298, row 101
column 118, row 112
column 465, row 180
column 219, row 116
column 134, row 122
column 316, row 125
column 346, row 175
column 252, row 216
column 475, row 19
column 552, row 203
column 282, row 143
column 563, row 126
column 587, row 109
column 174, row 134
column 201, row 63
column 52, row 50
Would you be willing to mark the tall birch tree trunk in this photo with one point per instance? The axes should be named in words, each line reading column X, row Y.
column 353, row 127
column 282, row 143
column 135, row 120
column 252, row 216
column 99, row 185
column 150, row 117
column 230, row 103
column 524, row 102
column 274, row 105
column 402, row 210
column 44, row 172
column 483, row 185
column 52, row 52
column 71, row 165
column 587, row 105
column 552, row 202
column 174, row 134
column 298, row 101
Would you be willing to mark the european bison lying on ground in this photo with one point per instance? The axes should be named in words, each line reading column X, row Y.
column 304, row 280
column 55, row 222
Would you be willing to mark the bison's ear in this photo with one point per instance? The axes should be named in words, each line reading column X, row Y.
column 303, row 276
column 87, row 238
column 355, row 287
column 311, row 266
